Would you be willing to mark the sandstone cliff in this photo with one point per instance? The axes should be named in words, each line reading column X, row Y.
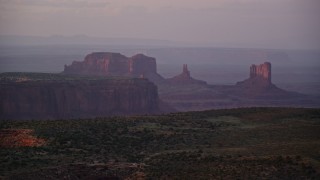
column 77, row 98
column 262, row 71
column 115, row 64
column 260, row 76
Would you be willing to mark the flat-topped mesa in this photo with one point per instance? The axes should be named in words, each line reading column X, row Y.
column 262, row 70
column 58, row 96
column 140, row 64
column 115, row 64
column 99, row 63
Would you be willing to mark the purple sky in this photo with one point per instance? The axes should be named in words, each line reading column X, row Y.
column 234, row 23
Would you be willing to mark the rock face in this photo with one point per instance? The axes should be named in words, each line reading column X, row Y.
column 77, row 98
column 261, row 71
column 185, row 78
column 259, row 84
column 116, row 64
column 260, row 75
column 141, row 64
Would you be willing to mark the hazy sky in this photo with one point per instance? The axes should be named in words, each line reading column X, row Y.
column 236, row 23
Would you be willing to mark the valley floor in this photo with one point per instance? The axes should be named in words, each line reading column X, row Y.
column 245, row 143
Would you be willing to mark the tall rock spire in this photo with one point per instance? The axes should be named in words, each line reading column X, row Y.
column 185, row 71
column 185, row 78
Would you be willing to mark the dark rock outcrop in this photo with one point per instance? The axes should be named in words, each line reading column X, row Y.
column 185, row 78
column 116, row 64
column 53, row 99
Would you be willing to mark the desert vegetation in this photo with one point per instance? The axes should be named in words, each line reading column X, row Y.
column 267, row 143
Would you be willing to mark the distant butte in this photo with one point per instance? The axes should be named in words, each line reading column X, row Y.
column 183, row 92
column 259, row 83
column 116, row 64
column 260, row 75
column 185, row 78
column 262, row 70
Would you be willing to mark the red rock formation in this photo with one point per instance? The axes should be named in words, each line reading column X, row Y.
column 185, row 72
column 185, row 78
column 115, row 64
column 99, row 63
column 53, row 99
column 262, row 70
column 259, row 84
column 260, row 76
column 141, row 64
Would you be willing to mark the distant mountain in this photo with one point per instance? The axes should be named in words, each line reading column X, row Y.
column 14, row 40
